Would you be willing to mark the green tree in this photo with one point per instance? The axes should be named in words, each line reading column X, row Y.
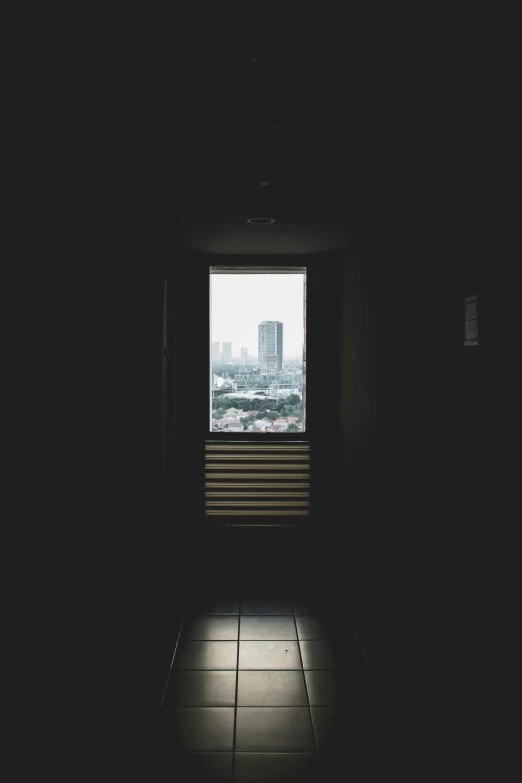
column 220, row 412
column 272, row 415
column 293, row 399
column 245, row 421
column 292, row 428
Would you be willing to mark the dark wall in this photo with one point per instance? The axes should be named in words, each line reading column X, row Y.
column 405, row 395
column 417, row 418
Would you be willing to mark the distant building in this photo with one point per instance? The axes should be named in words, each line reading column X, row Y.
column 270, row 345
column 235, row 427
column 215, row 351
column 226, row 353
column 230, row 423
column 246, row 395
column 244, row 356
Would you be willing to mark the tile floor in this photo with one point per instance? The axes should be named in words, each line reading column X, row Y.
column 251, row 693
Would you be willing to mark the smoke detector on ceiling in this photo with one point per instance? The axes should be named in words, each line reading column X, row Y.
column 260, row 221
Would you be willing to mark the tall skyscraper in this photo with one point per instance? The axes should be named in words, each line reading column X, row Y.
column 270, row 345
column 244, row 356
column 226, row 353
column 215, row 351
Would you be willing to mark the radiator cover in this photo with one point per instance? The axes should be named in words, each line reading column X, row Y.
column 250, row 479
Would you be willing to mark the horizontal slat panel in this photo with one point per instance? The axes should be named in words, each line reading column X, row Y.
column 215, row 503
column 257, row 479
column 239, row 466
column 257, row 485
column 254, row 512
column 255, row 447
column 267, row 495
column 267, row 457
column 257, row 475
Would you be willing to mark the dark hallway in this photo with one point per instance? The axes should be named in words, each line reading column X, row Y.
column 344, row 642
column 370, row 566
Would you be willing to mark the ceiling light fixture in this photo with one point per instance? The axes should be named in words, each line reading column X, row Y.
column 260, row 221
column 264, row 184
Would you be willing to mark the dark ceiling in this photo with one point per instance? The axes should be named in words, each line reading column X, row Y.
column 349, row 140
column 266, row 118
column 234, row 235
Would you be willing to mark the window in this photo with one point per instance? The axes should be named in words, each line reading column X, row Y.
column 257, row 349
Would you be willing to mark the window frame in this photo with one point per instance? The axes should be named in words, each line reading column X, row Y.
column 258, row 437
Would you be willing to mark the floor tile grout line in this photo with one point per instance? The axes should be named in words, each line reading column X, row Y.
column 305, row 684
column 236, row 697
column 248, row 706
column 168, row 675
column 177, row 642
column 279, row 639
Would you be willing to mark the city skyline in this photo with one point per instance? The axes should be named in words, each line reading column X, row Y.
column 237, row 355
column 240, row 303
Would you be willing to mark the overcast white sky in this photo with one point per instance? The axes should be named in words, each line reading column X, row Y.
column 241, row 302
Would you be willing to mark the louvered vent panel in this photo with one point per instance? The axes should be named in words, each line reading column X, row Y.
column 250, row 479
